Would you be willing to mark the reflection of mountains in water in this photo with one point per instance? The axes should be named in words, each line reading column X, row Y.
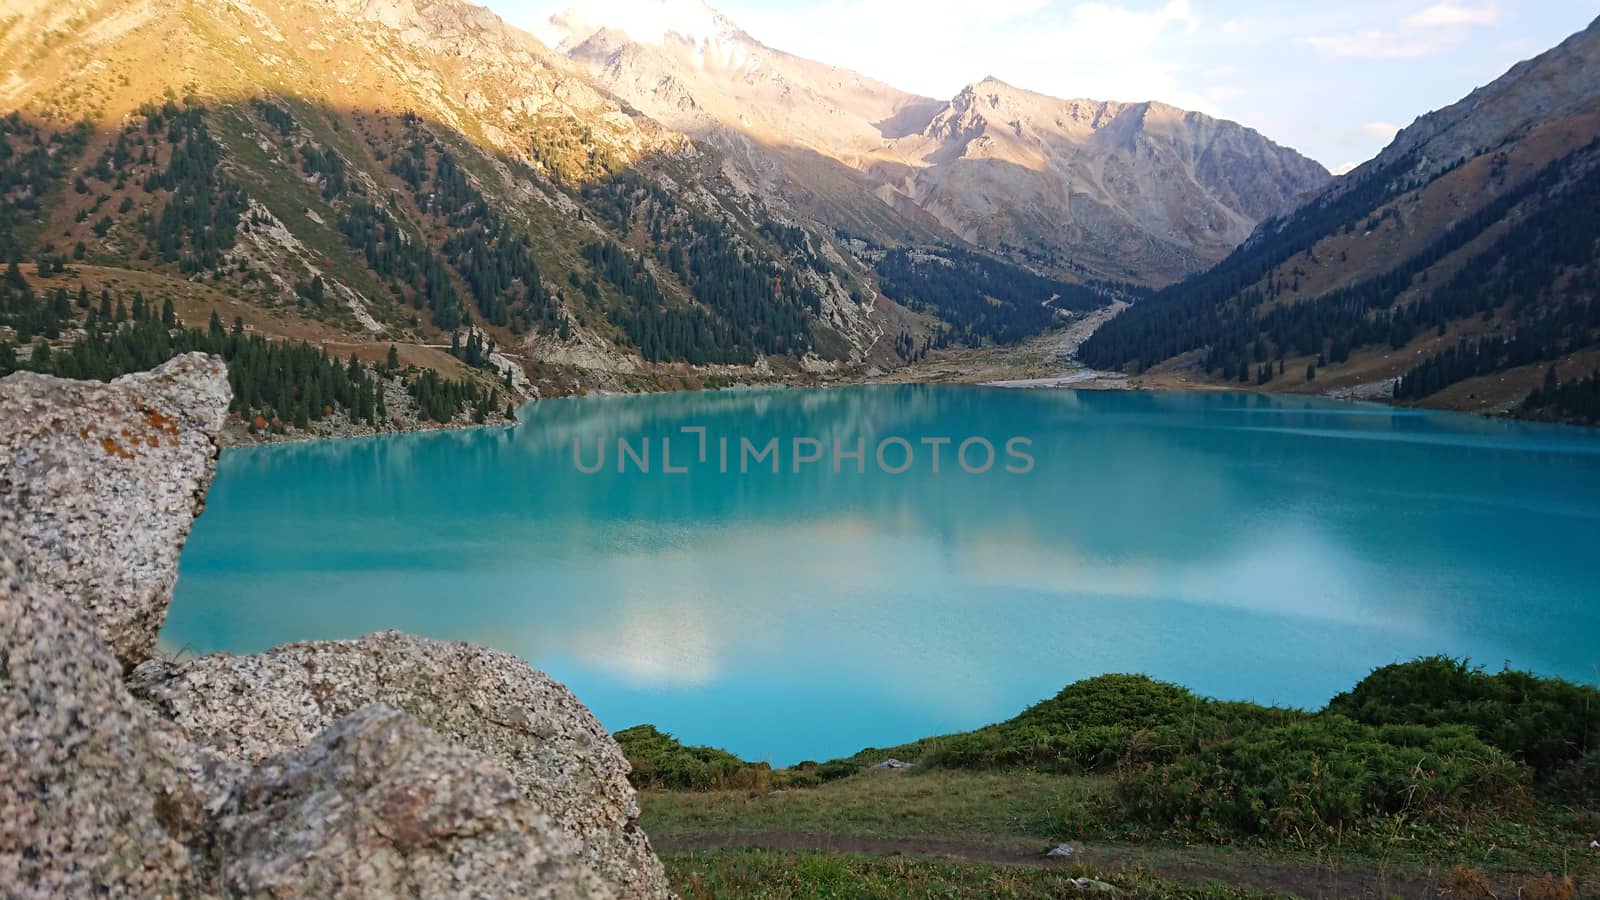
column 395, row 453
column 844, row 413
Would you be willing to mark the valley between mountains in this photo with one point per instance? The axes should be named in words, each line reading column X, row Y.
column 236, row 222
column 407, row 213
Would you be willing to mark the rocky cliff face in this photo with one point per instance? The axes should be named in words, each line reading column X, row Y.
column 388, row 766
column 1138, row 191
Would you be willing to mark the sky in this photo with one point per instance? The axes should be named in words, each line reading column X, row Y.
column 1333, row 80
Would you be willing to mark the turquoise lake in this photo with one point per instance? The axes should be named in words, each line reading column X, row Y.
column 1250, row 547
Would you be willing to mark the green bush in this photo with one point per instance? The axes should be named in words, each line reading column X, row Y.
column 1323, row 776
column 1544, row 722
column 1098, row 723
column 660, row 761
column 1578, row 781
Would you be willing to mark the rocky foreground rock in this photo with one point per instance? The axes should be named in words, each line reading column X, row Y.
column 91, row 788
column 248, row 707
column 387, row 766
column 105, row 481
column 378, row 805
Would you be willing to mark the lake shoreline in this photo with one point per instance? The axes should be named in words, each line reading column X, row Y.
column 236, row 434
column 519, row 529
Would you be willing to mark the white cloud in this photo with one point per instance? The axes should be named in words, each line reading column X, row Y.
column 1381, row 130
column 1428, row 31
column 1344, row 168
column 1453, row 15
column 1108, row 22
column 1378, row 43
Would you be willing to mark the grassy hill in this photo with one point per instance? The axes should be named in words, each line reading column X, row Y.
column 1429, row 778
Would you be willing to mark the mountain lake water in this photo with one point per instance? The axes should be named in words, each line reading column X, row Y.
column 1247, row 546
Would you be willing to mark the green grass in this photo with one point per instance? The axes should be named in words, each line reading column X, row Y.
column 1010, row 809
column 1018, row 815
column 1026, row 812
column 750, row 873
column 1135, row 772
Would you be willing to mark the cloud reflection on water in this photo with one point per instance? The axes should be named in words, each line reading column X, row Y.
column 1159, row 533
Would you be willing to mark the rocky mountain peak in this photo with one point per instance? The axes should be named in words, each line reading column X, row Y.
column 994, row 165
column 1562, row 81
column 689, row 23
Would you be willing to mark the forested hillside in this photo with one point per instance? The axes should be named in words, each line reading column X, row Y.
column 980, row 299
column 277, row 384
column 461, row 187
column 1462, row 282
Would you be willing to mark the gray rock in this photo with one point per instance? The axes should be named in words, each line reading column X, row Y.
column 893, row 764
column 1061, row 851
column 379, row 806
column 248, row 708
column 100, row 797
column 92, row 793
column 105, row 481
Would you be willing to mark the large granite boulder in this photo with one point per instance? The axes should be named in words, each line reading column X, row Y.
column 302, row 771
column 379, row 806
column 105, row 481
column 249, row 707
column 93, row 798
column 100, row 797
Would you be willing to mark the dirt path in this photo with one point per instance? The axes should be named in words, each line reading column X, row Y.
column 1300, row 878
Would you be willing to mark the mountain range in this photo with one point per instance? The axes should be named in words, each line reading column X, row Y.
column 1140, row 192
column 669, row 202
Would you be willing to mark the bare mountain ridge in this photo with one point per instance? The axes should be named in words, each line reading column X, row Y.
column 1128, row 191
column 1562, row 82
column 1458, row 268
column 1154, row 189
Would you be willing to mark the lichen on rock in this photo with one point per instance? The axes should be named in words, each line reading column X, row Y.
column 379, row 806
column 561, row 758
column 105, row 480
column 388, row 766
